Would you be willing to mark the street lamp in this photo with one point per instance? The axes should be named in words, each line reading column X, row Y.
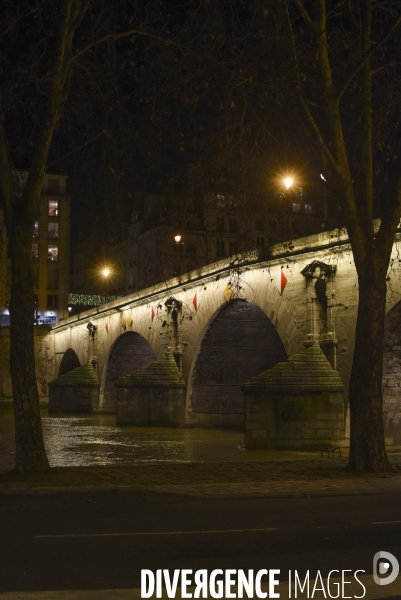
column 178, row 243
column 324, row 224
column 288, row 181
column 105, row 273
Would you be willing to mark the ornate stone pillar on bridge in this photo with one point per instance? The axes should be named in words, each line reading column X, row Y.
column 320, row 308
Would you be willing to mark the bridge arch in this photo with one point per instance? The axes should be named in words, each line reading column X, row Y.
column 129, row 352
column 239, row 342
column 69, row 362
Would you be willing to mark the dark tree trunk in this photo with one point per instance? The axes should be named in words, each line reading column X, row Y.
column 30, row 448
column 367, row 448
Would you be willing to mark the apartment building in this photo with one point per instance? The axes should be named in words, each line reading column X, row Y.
column 153, row 252
column 167, row 237
column 50, row 253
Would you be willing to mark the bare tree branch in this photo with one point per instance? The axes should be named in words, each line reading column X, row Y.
column 367, row 55
column 6, row 182
column 305, row 15
column 122, row 34
column 300, row 96
column 77, row 149
column 351, row 17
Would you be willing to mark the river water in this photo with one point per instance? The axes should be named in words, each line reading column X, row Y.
column 84, row 440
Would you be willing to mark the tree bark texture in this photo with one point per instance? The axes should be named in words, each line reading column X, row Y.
column 367, row 447
column 20, row 211
column 19, row 215
column 30, row 448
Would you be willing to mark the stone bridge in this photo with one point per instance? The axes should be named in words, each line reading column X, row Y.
column 230, row 321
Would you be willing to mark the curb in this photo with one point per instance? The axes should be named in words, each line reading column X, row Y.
column 170, row 491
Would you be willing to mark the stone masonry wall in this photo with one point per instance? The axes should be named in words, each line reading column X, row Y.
column 205, row 291
column 240, row 343
column 44, row 360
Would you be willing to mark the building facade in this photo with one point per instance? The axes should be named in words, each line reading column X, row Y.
column 50, row 253
column 215, row 222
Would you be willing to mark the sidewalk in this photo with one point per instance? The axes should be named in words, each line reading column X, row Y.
column 268, row 478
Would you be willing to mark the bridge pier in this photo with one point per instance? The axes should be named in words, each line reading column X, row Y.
column 220, row 339
column 296, row 404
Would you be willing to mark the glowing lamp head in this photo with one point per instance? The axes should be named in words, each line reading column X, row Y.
column 177, row 239
column 106, row 272
column 288, row 181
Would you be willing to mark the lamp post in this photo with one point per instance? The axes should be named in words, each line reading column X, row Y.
column 288, row 181
column 106, row 273
column 322, row 177
column 178, row 243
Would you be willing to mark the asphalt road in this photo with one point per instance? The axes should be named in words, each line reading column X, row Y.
column 103, row 540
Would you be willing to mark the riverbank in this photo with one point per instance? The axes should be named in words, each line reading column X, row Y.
column 6, row 404
column 272, row 478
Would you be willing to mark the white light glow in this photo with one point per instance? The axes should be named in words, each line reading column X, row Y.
column 288, row 182
column 177, row 239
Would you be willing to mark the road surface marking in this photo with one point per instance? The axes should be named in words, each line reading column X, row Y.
column 81, row 535
column 384, row 522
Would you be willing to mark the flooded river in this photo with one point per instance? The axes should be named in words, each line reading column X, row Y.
column 77, row 440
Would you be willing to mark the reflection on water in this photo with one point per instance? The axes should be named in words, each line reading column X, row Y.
column 96, row 440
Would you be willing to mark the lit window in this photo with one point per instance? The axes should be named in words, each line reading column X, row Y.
column 221, row 201
column 36, row 229
column 53, row 208
column 52, row 253
column 53, row 231
column 296, row 207
column 231, row 201
column 35, row 251
column 308, row 209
